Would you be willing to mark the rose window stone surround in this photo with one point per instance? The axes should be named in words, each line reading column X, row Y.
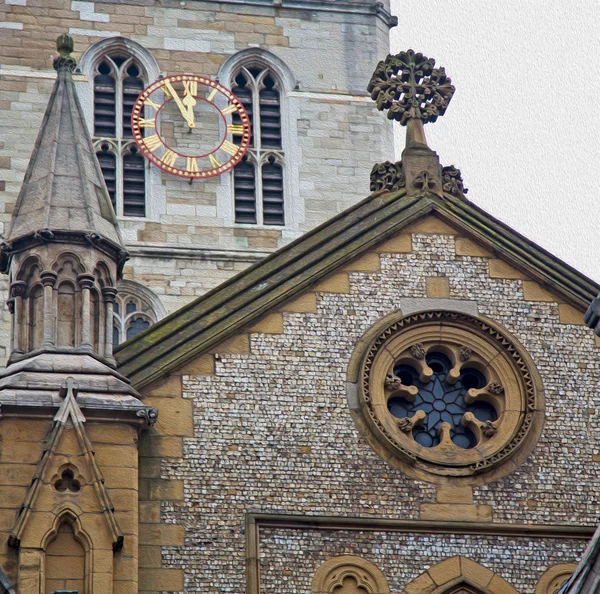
column 446, row 394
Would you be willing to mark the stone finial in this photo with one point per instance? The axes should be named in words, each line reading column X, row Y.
column 414, row 93
column 65, row 46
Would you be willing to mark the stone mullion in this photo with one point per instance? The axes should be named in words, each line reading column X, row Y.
column 109, row 294
column 119, row 141
column 86, row 282
column 258, row 195
column 17, row 292
column 48, row 278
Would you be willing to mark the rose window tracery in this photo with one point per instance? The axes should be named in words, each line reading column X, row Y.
column 442, row 405
column 448, row 394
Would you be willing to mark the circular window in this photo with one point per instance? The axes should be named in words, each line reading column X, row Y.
column 450, row 395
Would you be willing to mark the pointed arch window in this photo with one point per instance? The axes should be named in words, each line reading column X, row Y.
column 118, row 78
column 258, row 180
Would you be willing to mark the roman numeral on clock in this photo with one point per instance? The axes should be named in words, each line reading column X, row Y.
column 212, row 95
column 229, row 109
column 215, row 163
column 147, row 123
column 169, row 158
column 235, row 129
column 153, row 142
column 191, row 164
column 190, row 87
column 229, row 147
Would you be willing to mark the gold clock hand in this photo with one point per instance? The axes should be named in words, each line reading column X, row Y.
column 190, row 89
column 182, row 108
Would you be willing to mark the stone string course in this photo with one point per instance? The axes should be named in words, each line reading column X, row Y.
column 273, row 433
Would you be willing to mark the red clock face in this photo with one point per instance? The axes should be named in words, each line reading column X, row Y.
column 190, row 126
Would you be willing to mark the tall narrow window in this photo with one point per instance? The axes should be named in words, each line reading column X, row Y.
column 118, row 80
column 132, row 315
column 258, row 178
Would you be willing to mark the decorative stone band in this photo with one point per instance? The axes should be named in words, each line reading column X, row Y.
column 450, row 397
column 74, row 238
column 390, row 177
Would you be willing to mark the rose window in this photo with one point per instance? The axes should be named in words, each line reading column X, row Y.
column 442, row 403
column 449, row 394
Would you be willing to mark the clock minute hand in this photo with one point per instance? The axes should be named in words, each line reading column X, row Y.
column 189, row 101
column 182, row 108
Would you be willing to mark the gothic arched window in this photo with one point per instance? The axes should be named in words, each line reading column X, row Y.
column 118, row 78
column 258, row 179
column 136, row 308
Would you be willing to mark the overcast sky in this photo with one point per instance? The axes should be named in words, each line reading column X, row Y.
column 524, row 123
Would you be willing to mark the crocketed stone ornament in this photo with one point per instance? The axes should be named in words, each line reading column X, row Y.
column 409, row 86
column 449, row 395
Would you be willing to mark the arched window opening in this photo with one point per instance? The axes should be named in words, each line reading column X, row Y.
column 65, row 316
column 119, row 79
column 259, row 189
column 36, row 317
column 95, row 320
column 132, row 315
column 65, row 562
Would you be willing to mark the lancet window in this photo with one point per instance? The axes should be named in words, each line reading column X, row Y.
column 259, row 178
column 118, row 80
column 132, row 314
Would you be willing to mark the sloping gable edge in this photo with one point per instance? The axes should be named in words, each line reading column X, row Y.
column 68, row 411
column 225, row 310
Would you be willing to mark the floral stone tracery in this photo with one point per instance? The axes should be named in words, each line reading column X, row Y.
column 450, row 395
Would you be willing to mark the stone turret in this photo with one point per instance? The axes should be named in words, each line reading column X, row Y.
column 64, row 254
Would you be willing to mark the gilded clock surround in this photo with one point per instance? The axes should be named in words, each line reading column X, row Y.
column 510, row 392
column 234, row 136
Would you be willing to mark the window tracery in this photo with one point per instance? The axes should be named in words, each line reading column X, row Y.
column 349, row 574
column 118, row 79
column 449, row 395
column 132, row 315
column 258, row 180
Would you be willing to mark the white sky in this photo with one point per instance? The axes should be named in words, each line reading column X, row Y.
column 524, row 123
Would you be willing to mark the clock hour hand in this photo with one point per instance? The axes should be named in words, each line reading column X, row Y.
column 189, row 101
column 182, row 108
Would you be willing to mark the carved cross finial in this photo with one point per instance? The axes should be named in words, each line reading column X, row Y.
column 409, row 87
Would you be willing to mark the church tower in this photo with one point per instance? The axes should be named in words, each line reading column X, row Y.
column 70, row 421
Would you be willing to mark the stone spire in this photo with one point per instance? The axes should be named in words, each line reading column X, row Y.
column 63, row 255
column 63, row 197
column 414, row 93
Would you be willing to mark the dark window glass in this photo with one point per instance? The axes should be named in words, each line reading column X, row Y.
column 272, row 179
column 104, row 101
column 134, row 184
column 108, row 164
column 270, row 118
column 136, row 326
column 244, row 181
column 133, row 85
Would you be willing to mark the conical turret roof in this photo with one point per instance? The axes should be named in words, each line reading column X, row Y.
column 63, row 190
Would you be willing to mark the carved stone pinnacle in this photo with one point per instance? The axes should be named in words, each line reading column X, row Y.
column 409, row 87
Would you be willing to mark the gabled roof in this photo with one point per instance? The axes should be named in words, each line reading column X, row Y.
column 240, row 301
column 63, row 189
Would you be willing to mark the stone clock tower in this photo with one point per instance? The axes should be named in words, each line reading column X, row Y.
column 299, row 67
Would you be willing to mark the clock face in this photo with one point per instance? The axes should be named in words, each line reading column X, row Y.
column 190, row 126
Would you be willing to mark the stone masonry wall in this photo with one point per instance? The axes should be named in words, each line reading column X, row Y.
column 332, row 133
column 272, row 430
